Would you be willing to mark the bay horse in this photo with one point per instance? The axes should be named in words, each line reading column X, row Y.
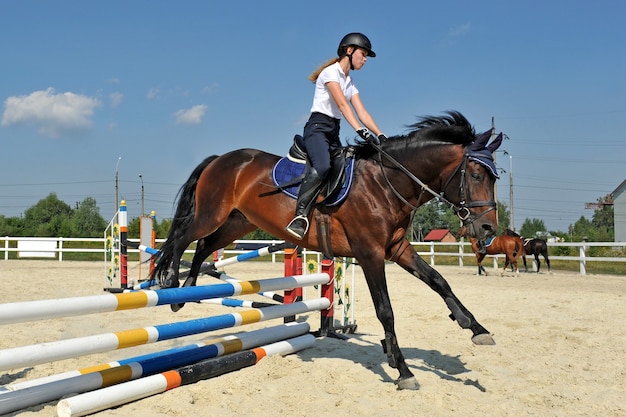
column 233, row 194
column 511, row 246
column 533, row 247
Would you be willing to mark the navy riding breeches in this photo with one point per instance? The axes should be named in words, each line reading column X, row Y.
column 321, row 136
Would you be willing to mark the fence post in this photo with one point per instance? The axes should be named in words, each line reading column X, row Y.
column 60, row 249
column 461, row 252
column 432, row 253
column 583, row 261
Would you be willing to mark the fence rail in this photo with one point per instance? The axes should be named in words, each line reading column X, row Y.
column 34, row 248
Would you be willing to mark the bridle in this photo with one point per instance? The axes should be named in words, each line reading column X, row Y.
column 462, row 210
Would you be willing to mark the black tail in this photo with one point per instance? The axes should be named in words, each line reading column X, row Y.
column 182, row 219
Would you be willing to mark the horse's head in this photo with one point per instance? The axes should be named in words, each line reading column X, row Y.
column 478, row 210
column 477, row 175
column 462, row 175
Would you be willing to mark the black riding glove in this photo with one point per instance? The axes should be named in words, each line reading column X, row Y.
column 363, row 133
column 367, row 136
column 382, row 138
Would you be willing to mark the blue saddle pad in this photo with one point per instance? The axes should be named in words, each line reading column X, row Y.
column 489, row 240
column 286, row 170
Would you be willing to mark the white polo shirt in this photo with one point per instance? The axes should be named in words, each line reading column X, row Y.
column 323, row 102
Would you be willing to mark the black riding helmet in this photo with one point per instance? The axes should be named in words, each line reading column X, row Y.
column 355, row 39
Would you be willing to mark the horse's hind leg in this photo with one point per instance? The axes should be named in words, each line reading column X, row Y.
column 235, row 226
column 413, row 263
column 538, row 262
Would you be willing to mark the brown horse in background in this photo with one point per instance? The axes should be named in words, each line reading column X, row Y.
column 233, row 194
column 511, row 246
column 533, row 247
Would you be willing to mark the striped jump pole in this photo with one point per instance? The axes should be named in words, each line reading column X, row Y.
column 52, row 388
column 116, row 395
column 46, row 309
column 64, row 349
column 208, row 266
column 234, row 302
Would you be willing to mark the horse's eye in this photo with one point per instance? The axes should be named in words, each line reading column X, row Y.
column 475, row 176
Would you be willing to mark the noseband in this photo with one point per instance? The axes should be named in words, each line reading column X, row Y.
column 462, row 210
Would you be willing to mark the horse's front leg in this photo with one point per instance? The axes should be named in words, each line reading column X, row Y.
column 413, row 263
column 374, row 271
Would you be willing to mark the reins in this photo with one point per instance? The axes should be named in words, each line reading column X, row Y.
column 461, row 211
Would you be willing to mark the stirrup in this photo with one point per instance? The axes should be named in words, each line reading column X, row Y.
column 295, row 229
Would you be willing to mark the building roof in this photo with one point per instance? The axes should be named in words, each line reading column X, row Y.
column 620, row 188
column 436, row 234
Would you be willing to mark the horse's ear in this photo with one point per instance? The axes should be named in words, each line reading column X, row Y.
column 481, row 141
column 495, row 144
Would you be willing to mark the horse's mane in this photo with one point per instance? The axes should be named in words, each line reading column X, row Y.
column 458, row 128
column 451, row 128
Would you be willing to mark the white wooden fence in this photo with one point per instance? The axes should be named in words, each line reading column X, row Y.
column 43, row 247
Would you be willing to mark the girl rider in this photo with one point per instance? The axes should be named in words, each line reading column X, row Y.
column 335, row 96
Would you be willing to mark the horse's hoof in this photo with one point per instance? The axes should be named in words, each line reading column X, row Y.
column 176, row 307
column 408, row 383
column 483, row 339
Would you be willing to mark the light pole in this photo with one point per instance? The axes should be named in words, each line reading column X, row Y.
column 141, row 178
column 511, row 220
column 117, row 199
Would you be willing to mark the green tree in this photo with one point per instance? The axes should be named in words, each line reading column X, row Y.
column 581, row 229
column 50, row 217
column 162, row 228
column 530, row 227
column 603, row 222
column 504, row 217
column 433, row 215
column 87, row 221
column 134, row 228
column 11, row 226
column 258, row 234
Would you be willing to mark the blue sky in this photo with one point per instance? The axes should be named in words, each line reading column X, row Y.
column 165, row 84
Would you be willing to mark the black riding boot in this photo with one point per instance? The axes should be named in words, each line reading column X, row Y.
column 309, row 190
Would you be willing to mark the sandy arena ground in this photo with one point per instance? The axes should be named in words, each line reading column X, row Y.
column 561, row 348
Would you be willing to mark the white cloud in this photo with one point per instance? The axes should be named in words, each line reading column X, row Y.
column 191, row 116
column 210, row 89
column 116, row 99
column 459, row 30
column 53, row 114
column 153, row 93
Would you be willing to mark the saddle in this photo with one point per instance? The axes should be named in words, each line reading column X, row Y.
column 289, row 171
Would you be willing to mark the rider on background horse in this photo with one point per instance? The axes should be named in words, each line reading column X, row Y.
column 335, row 93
